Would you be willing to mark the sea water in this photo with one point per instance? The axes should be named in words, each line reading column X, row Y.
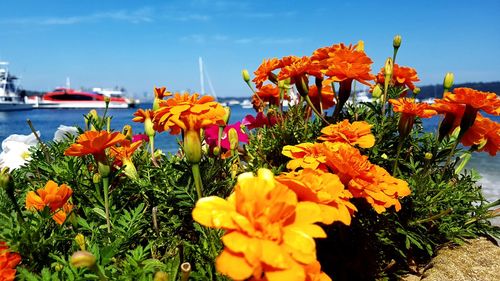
column 48, row 120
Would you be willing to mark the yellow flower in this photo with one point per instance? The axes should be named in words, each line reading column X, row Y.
column 268, row 233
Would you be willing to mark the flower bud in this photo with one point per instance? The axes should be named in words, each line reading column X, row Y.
column 130, row 170
column 384, row 156
column 161, row 276
column 192, row 146
column 377, row 91
column 80, row 240
column 388, row 69
column 302, row 85
column 58, row 267
column 149, row 128
column 448, row 81
column 127, row 131
column 216, row 151
column 428, row 155
column 96, row 178
column 396, row 42
column 4, row 178
column 185, row 271
column 227, row 115
column 82, row 259
column 361, row 46
column 416, row 91
column 107, row 99
column 246, row 75
column 233, row 138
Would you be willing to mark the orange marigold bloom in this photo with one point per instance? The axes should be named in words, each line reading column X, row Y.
column 297, row 67
column 410, row 107
column 265, row 70
column 452, row 115
column 52, row 196
column 125, row 150
column 8, row 262
column 142, row 115
column 488, row 102
column 188, row 112
column 326, row 189
column 357, row 133
column 267, row 94
column 306, row 155
column 93, row 142
column 161, row 92
column 364, row 179
column 327, row 96
column 402, row 76
column 347, row 63
column 483, row 131
column 269, row 235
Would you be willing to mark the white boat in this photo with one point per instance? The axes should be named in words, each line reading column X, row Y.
column 11, row 98
column 246, row 104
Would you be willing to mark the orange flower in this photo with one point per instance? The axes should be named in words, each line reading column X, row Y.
column 452, row 115
column 60, row 216
column 306, row 155
column 161, row 92
column 93, row 142
column 298, row 67
column 488, row 102
column 123, row 156
column 265, row 71
column 484, row 131
column 357, row 133
column 402, row 76
column 327, row 96
column 269, row 235
column 267, row 94
column 409, row 109
column 8, row 262
column 142, row 115
column 345, row 63
column 187, row 112
column 325, row 189
column 52, row 196
column 364, row 179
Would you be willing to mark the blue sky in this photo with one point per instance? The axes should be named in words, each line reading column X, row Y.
column 140, row 44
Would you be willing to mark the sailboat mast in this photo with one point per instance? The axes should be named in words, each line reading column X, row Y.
column 202, row 82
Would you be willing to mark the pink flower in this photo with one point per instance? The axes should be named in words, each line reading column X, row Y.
column 259, row 121
column 140, row 137
column 212, row 132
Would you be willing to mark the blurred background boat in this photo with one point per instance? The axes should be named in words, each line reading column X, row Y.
column 11, row 98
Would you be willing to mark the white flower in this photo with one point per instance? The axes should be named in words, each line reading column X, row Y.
column 63, row 132
column 15, row 150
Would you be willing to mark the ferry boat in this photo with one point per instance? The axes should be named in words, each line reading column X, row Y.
column 70, row 98
column 10, row 97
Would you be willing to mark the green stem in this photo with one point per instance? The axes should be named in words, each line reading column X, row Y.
column 12, row 197
column 99, row 272
column 452, row 152
column 197, row 179
column 400, row 146
column 311, row 105
column 105, row 185
column 44, row 148
column 152, row 147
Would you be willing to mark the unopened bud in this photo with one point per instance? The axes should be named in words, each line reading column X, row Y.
column 396, row 42
column 96, row 178
column 149, row 127
column 227, row 115
column 388, row 68
column 107, row 99
column 216, row 151
column 377, row 91
column 361, row 46
column 428, row 155
column 161, row 276
column 416, row 91
column 448, row 81
column 127, row 131
column 384, row 156
column 58, row 267
column 192, row 146
column 246, row 75
column 4, row 178
column 82, row 259
column 80, row 240
column 233, row 138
